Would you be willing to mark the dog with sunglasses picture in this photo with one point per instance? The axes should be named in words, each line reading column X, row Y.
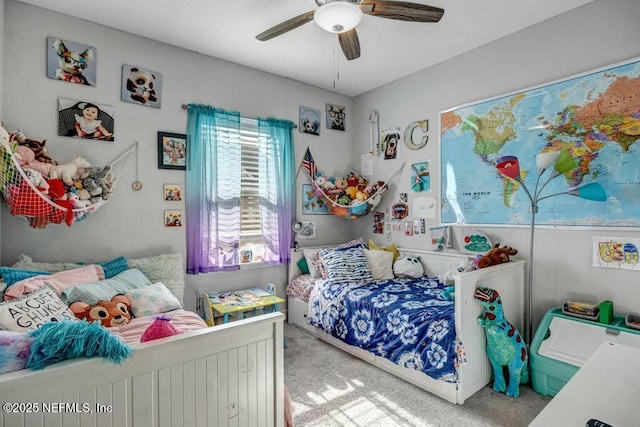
column 72, row 64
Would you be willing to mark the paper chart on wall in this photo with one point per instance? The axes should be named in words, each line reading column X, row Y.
column 616, row 252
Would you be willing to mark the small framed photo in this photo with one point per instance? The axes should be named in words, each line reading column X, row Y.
column 309, row 120
column 172, row 192
column 71, row 62
column 246, row 256
column 335, row 117
column 308, row 230
column 173, row 218
column 140, row 86
column 311, row 204
column 172, row 151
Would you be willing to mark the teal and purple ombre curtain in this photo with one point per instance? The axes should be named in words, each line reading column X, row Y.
column 213, row 183
column 277, row 188
column 213, row 189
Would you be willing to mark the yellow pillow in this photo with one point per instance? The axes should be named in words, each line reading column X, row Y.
column 390, row 248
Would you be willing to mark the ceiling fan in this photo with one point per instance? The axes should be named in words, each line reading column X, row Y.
column 342, row 16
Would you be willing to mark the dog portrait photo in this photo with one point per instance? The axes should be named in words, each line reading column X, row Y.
column 309, row 121
column 84, row 119
column 335, row 117
column 71, row 62
column 141, row 86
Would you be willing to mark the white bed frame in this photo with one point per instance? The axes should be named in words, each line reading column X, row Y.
column 507, row 279
column 225, row 375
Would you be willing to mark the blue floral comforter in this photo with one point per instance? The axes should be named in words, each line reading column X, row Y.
column 404, row 320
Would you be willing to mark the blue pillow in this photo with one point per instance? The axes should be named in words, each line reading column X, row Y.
column 105, row 289
column 114, row 267
column 13, row 275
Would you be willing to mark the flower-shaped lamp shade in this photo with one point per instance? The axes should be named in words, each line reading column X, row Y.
column 565, row 162
column 509, row 166
column 546, row 160
column 592, row 191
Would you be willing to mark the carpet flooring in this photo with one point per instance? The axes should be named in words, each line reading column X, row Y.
column 330, row 387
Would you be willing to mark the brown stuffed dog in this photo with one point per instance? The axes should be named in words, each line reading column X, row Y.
column 110, row 313
column 496, row 255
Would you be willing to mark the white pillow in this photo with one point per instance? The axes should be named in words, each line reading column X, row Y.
column 166, row 268
column 152, row 299
column 33, row 310
column 380, row 264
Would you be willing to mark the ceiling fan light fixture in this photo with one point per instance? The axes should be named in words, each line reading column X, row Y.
column 338, row 16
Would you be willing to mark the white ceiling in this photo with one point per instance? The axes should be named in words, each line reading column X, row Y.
column 390, row 49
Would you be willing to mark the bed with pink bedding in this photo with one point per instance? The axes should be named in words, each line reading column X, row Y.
column 230, row 374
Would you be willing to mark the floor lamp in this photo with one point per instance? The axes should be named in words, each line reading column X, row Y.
column 562, row 162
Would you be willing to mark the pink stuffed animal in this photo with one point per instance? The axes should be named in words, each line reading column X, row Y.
column 27, row 159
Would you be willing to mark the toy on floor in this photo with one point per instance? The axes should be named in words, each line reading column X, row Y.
column 506, row 349
column 496, row 255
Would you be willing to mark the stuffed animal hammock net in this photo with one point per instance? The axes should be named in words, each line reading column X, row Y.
column 334, row 198
column 41, row 201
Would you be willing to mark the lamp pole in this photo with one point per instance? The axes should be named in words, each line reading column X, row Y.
column 562, row 162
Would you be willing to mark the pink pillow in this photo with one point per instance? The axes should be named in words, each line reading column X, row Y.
column 58, row 281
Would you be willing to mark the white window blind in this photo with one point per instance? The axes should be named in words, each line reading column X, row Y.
column 250, row 225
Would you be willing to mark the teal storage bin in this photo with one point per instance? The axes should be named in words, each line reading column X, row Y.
column 548, row 373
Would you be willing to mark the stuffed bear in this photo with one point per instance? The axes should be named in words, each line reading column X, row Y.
column 116, row 312
column 465, row 265
column 407, row 266
column 496, row 255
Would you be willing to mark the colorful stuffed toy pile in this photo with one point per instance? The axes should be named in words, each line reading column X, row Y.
column 349, row 190
column 75, row 185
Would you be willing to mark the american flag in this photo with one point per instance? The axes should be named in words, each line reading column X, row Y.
column 308, row 164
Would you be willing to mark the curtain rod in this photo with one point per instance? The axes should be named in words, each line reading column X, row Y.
column 185, row 106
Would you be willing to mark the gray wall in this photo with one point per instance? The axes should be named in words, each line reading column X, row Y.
column 592, row 36
column 131, row 223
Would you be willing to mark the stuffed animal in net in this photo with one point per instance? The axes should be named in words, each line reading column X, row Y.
column 116, row 312
column 496, row 255
column 506, row 349
column 408, row 267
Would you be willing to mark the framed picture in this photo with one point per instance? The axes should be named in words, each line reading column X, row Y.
column 246, row 256
column 335, row 117
column 311, row 205
column 307, row 231
column 309, row 121
column 389, row 139
column 173, row 218
column 172, row 192
column 71, row 62
column 140, row 86
column 172, row 151
column 83, row 119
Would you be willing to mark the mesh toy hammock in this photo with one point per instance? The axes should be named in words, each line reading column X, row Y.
column 26, row 200
column 355, row 210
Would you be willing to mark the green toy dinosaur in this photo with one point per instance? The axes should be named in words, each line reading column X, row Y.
column 506, row 349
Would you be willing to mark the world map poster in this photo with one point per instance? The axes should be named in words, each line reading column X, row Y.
column 594, row 116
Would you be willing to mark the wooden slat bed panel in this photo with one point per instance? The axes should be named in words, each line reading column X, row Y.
column 230, row 375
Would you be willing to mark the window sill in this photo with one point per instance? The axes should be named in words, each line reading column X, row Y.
column 255, row 265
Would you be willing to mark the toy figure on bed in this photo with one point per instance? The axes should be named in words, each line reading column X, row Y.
column 506, row 349
column 110, row 313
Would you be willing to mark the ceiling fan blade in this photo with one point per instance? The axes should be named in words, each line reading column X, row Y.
column 350, row 44
column 288, row 25
column 401, row 10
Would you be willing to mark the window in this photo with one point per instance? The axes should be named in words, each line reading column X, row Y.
column 240, row 190
column 251, row 242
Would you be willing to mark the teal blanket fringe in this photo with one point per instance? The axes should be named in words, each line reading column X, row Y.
column 58, row 341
